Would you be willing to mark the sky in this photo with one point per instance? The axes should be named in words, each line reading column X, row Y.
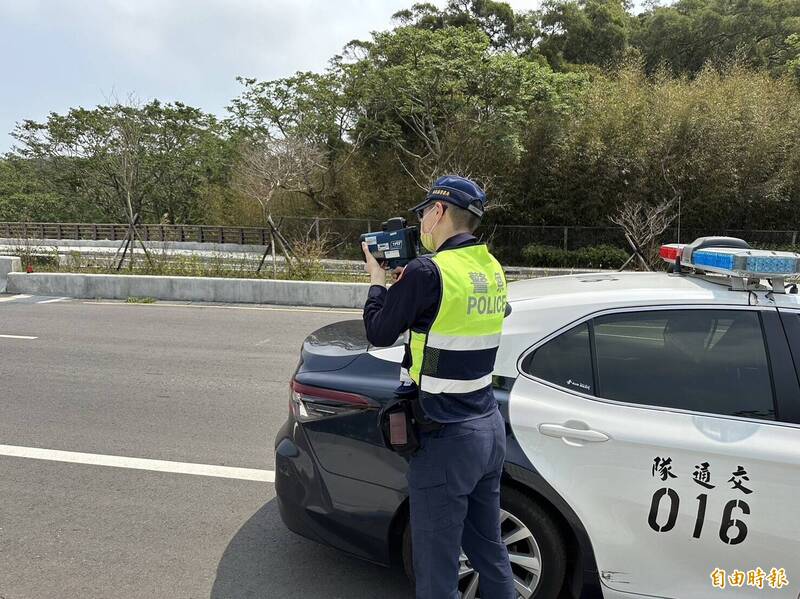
column 58, row 54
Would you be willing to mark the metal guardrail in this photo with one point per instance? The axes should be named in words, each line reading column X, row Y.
column 115, row 231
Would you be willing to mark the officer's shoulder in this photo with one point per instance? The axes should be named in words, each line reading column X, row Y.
column 419, row 264
column 420, row 269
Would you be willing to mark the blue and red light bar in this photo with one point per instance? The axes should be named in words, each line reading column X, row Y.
column 738, row 262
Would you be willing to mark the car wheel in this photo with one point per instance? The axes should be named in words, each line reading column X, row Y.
column 535, row 548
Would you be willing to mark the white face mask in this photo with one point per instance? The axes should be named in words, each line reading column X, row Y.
column 426, row 239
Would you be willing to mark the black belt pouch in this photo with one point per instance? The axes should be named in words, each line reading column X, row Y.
column 399, row 427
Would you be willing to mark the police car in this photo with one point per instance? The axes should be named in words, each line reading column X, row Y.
column 653, row 429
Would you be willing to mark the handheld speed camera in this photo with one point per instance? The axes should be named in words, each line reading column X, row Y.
column 395, row 244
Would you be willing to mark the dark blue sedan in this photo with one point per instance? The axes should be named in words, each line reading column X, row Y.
column 338, row 484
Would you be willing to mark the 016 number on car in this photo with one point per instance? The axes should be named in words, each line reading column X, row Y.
column 732, row 531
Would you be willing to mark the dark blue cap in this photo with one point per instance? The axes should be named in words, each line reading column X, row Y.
column 460, row 191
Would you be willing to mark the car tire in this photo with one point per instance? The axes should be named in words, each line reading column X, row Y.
column 546, row 540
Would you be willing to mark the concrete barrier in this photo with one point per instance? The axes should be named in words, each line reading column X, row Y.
column 199, row 289
column 8, row 264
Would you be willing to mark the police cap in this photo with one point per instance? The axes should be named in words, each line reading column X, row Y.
column 459, row 191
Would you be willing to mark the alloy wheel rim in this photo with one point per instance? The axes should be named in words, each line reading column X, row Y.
column 523, row 552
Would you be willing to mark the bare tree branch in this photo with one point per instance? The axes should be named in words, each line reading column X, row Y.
column 644, row 223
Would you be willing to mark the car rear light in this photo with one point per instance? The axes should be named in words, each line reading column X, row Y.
column 314, row 403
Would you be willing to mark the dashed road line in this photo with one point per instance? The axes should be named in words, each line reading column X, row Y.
column 17, row 337
column 53, row 300
column 12, row 298
column 96, row 459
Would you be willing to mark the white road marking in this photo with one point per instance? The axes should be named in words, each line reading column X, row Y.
column 268, row 308
column 96, row 459
column 17, row 337
column 50, row 301
column 11, row 298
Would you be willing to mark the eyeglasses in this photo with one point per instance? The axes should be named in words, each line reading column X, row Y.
column 425, row 209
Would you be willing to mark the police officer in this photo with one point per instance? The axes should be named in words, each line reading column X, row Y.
column 453, row 304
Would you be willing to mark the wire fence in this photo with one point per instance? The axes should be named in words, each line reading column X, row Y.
column 340, row 235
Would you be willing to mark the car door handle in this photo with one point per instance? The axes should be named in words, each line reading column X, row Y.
column 568, row 432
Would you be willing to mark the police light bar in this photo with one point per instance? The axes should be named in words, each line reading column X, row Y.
column 747, row 263
column 739, row 262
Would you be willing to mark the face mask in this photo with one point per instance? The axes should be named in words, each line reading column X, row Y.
column 426, row 239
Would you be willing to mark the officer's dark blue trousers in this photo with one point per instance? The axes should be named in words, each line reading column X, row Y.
column 454, row 490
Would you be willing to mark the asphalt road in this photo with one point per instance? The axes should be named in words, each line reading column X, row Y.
column 179, row 383
column 205, row 385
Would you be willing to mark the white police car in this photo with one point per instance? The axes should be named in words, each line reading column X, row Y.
column 653, row 433
column 665, row 410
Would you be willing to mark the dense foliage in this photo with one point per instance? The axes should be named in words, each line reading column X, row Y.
column 564, row 114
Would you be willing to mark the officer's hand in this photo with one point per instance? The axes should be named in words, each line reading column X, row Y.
column 398, row 272
column 376, row 273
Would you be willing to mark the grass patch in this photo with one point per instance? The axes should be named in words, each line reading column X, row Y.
column 306, row 267
column 179, row 270
column 140, row 300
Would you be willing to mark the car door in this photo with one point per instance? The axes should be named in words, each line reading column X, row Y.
column 659, row 426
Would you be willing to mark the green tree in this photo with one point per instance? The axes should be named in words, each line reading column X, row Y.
column 793, row 51
column 25, row 195
column 186, row 152
column 581, row 32
column 125, row 159
column 442, row 101
column 506, row 29
column 687, row 34
column 724, row 142
column 312, row 114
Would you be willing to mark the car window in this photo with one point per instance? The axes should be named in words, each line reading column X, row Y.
column 791, row 324
column 565, row 360
column 711, row 361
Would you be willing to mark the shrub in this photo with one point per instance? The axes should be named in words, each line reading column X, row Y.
column 544, row 255
column 599, row 256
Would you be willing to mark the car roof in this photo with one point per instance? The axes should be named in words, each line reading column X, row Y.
column 542, row 306
column 585, row 287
